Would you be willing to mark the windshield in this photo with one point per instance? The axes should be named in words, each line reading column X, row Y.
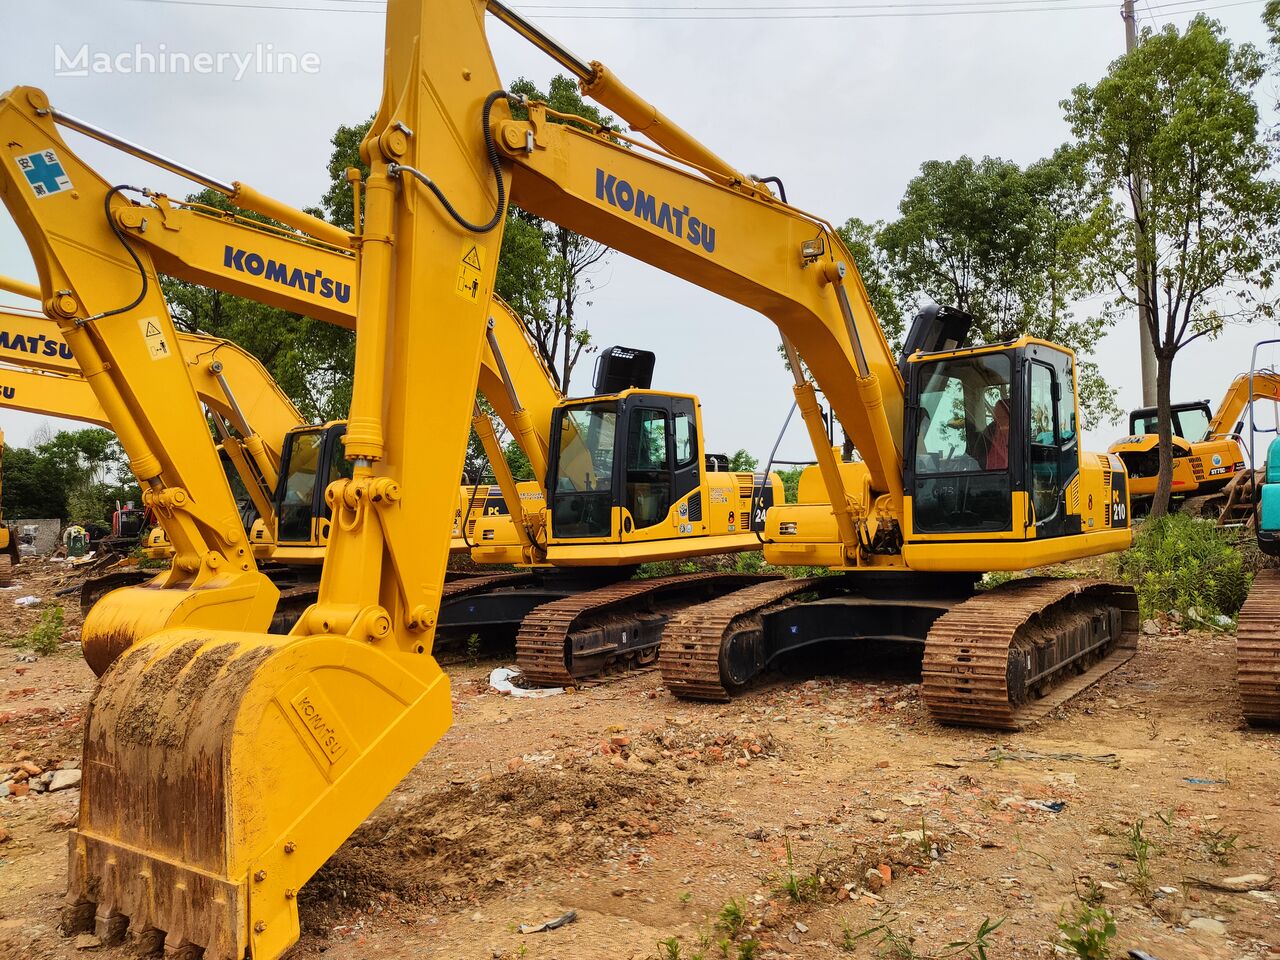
column 964, row 415
column 584, row 461
column 1193, row 424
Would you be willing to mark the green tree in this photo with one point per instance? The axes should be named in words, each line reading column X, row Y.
column 742, row 462
column 1173, row 129
column 518, row 461
column 1005, row 244
column 565, row 279
column 33, row 486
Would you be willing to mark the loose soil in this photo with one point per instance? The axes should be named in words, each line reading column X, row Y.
column 647, row 815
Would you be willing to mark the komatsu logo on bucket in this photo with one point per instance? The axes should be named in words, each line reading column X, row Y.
column 310, row 281
column 677, row 221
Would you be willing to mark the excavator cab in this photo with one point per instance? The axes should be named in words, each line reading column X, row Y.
column 1190, row 421
column 311, row 459
column 626, row 467
column 993, row 436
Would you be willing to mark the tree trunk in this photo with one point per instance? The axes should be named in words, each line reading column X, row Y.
column 1164, row 418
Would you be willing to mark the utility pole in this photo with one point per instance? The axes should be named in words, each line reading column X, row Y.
column 1146, row 349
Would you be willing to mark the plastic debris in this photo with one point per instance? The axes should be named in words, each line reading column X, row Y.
column 1048, row 806
column 560, row 921
column 501, row 680
column 1202, row 781
column 27, row 601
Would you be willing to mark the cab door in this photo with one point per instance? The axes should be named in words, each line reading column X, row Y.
column 648, row 468
column 1053, row 444
column 312, row 460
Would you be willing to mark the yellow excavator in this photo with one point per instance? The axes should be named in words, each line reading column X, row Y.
column 223, row 766
column 274, row 453
column 8, row 540
column 575, row 606
column 1208, row 453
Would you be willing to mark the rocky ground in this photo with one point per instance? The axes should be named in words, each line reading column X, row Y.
column 810, row 818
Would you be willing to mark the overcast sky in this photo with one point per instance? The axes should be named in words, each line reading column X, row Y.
column 844, row 109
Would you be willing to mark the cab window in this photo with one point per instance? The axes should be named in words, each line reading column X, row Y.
column 686, row 449
column 297, row 504
column 963, row 445
column 648, row 468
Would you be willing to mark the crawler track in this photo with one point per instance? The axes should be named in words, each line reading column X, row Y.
column 1005, row 658
column 711, row 651
column 1258, row 651
column 563, row 642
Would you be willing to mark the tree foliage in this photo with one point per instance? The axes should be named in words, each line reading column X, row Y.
column 1172, row 129
column 559, row 280
column 872, row 260
column 78, row 475
column 1006, row 244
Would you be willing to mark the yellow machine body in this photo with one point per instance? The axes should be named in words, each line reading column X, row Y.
column 1207, row 450
column 222, row 766
column 630, row 486
column 1046, row 502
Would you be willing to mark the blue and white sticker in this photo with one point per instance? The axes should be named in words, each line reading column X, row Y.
column 44, row 173
column 1217, row 460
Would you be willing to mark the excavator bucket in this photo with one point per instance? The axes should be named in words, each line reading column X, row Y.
column 243, row 600
column 222, row 769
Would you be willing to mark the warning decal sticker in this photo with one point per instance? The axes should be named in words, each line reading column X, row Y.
column 157, row 345
column 470, row 270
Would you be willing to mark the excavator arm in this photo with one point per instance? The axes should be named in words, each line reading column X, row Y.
column 1247, row 388
column 51, row 394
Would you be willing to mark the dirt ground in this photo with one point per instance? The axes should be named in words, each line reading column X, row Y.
column 647, row 816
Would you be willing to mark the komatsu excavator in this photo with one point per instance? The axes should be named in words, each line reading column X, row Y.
column 8, row 541
column 576, row 608
column 282, row 462
column 223, row 766
column 1208, row 453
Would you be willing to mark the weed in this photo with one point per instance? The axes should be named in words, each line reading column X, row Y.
column 750, row 562
column 1219, row 845
column 45, row 636
column 473, row 647
column 898, row 946
column 1179, row 563
column 889, row 942
column 1167, row 818
column 799, row 889
column 1087, row 935
column 924, row 835
column 747, row 949
column 1092, row 895
column 669, row 949
column 731, row 918
column 686, row 897
column 522, row 950
column 1140, row 851
column 976, row 947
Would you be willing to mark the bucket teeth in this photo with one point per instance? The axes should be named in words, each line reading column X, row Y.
column 113, row 928
column 109, row 926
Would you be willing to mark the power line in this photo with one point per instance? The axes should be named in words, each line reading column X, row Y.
column 759, row 14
